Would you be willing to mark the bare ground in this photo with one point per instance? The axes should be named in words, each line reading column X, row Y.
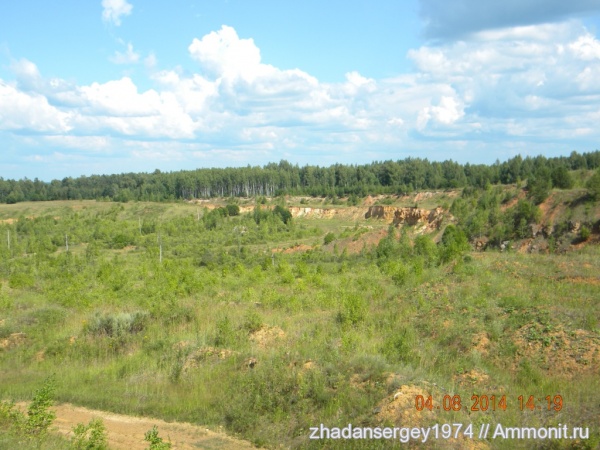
column 127, row 432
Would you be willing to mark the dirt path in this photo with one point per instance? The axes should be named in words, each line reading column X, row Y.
column 127, row 432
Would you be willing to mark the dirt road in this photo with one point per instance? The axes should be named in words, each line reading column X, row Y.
column 127, row 432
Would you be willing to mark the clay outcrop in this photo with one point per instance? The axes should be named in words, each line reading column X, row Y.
column 312, row 212
column 381, row 212
column 408, row 216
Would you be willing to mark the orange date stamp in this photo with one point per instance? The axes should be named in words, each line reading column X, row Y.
column 489, row 403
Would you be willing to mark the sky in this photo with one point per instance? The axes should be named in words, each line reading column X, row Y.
column 114, row 86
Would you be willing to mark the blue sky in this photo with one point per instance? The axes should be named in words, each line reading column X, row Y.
column 113, row 86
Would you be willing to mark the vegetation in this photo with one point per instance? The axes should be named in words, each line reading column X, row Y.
column 386, row 177
column 244, row 317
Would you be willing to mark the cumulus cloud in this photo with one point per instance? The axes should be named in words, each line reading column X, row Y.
column 448, row 111
column 114, row 10
column 223, row 54
column 30, row 112
column 120, row 98
column 459, row 18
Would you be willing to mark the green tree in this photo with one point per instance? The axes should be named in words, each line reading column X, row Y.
column 539, row 185
column 561, row 178
column 283, row 213
column 593, row 185
column 453, row 244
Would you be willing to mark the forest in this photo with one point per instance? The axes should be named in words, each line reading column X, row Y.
column 387, row 177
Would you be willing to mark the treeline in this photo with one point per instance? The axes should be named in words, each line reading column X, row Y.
column 387, row 177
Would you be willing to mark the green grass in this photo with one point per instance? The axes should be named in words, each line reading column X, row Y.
column 119, row 329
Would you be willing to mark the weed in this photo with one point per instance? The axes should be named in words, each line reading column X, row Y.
column 156, row 442
column 252, row 322
column 225, row 335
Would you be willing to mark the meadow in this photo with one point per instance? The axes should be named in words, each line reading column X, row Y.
column 235, row 314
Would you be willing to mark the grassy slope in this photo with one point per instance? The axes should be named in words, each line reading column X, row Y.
column 339, row 338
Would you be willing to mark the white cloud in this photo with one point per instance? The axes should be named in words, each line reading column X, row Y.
column 236, row 65
column 223, row 54
column 114, row 10
column 120, row 98
column 127, row 57
column 448, row 111
column 27, row 73
column 506, row 88
column 586, row 48
column 30, row 112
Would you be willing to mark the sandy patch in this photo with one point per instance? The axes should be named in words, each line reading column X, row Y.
column 267, row 336
column 127, row 432
column 559, row 352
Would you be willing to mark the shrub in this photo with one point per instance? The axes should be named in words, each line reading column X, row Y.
column 425, row 247
column 584, row 233
column 561, row 178
column 90, row 437
column 353, row 200
column 283, row 213
column 117, row 325
column 399, row 347
column 19, row 280
column 225, row 335
column 453, row 244
column 253, row 322
column 538, row 187
column 122, row 240
column 329, row 238
column 39, row 415
column 233, row 210
column 353, row 309
column 593, row 185
column 156, row 442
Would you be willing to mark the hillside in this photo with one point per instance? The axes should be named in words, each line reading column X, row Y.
column 269, row 316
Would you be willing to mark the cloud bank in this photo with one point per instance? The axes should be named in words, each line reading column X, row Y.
column 520, row 89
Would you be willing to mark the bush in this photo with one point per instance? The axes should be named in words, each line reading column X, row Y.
column 90, row 437
column 398, row 348
column 19, row 280
column 353, row 309
column 283, row 213
column 353, row 200
column 593, row 185
column 453, row 244
column 39, row 416
column 329, row 238
column 226, row 335
column 584, row 233
column 233, row 210
column 121, row 241
column 117, row 325
column 425, row 247
column 252, row 322
column 561, row 178
column 156, row 442
column 538, row 187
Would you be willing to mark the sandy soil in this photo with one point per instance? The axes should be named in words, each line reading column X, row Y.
column 127, row 432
